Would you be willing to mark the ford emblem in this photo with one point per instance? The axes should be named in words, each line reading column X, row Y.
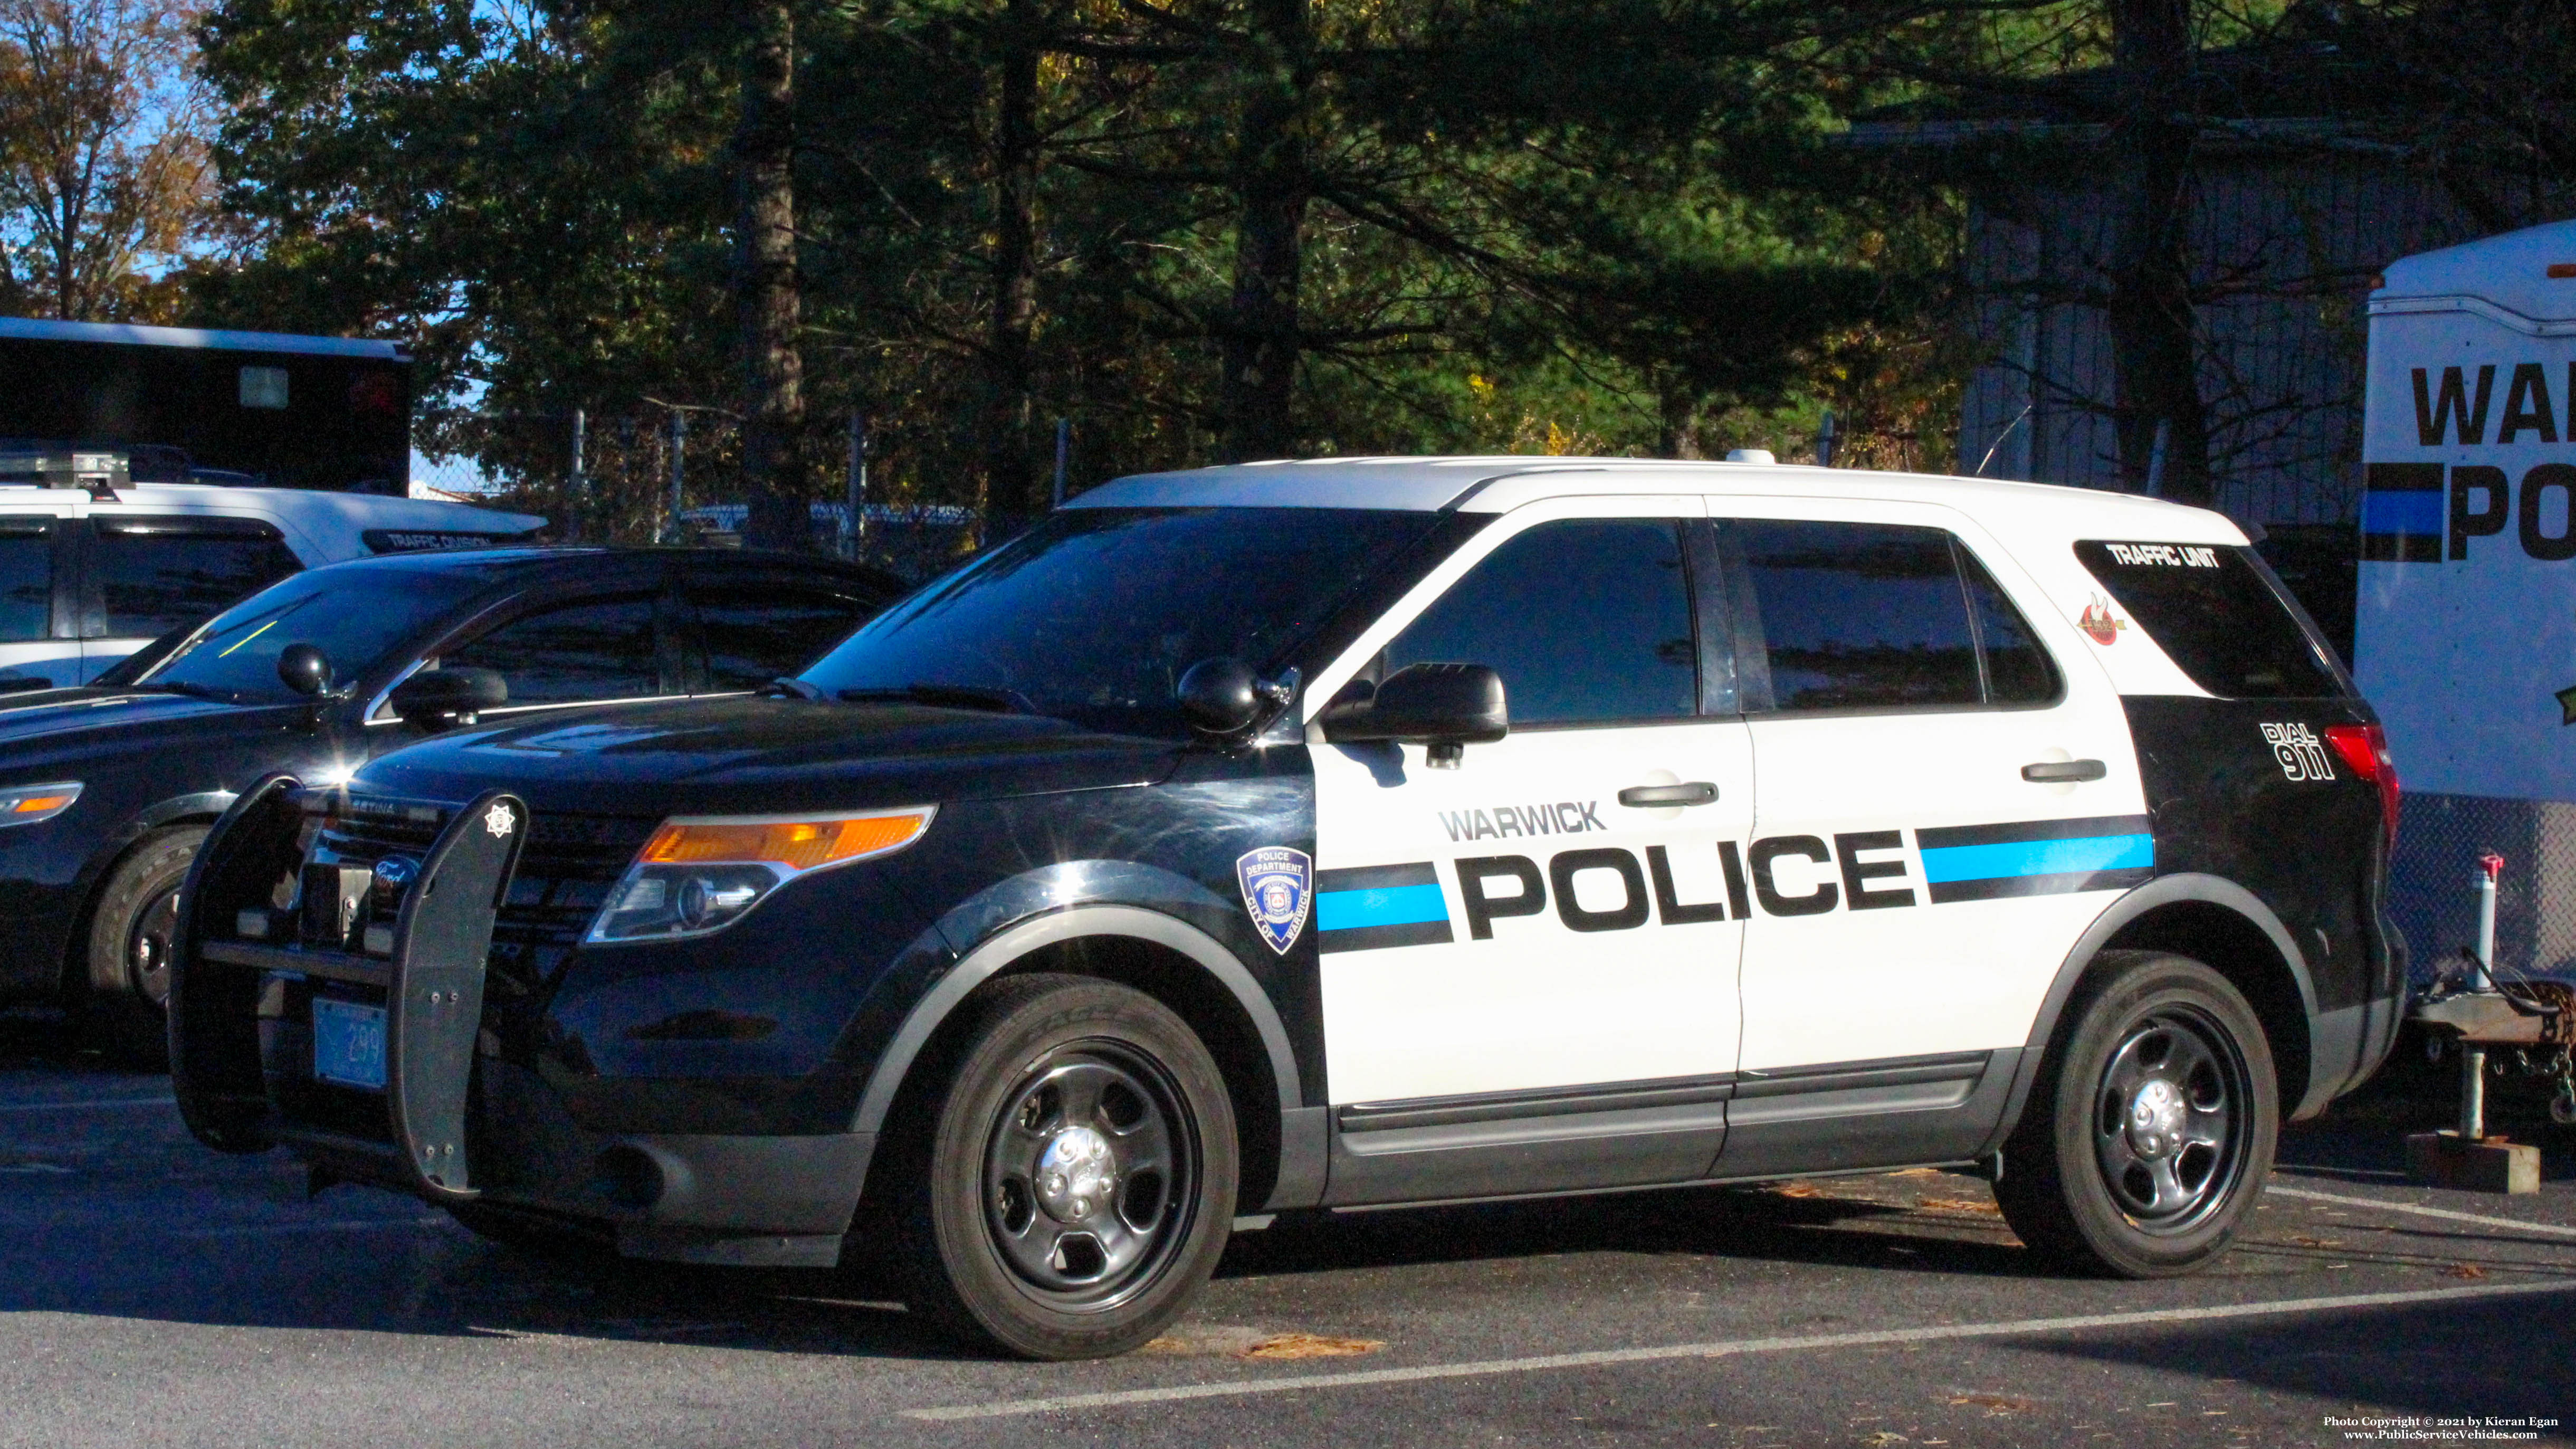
column 396, row 871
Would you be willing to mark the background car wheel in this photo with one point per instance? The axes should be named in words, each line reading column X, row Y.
column 130, row 933
column 1071, row 1180
column 2150, row 1129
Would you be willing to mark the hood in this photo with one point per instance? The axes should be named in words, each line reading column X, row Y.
column 46, row 723
column 739, row 755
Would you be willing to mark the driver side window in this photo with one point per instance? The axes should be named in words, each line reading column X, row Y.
column 1587, row 620
column 598, row 649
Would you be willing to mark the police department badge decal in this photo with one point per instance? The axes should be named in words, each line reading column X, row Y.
column 1278, row 889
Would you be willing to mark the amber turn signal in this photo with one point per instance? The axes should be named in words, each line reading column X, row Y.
column 797, row 844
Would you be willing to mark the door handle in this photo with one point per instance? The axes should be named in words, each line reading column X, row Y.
column 2058, row 772
column 1695, row 792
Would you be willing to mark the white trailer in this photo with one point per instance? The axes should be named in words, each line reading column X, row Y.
column 2465, row 627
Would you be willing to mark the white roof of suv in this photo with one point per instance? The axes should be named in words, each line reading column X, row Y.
column 1496, row 484
column 2035, row 523
column 320, row 527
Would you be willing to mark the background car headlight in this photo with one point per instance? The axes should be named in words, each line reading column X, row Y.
column 27, row 804
column 703, row 873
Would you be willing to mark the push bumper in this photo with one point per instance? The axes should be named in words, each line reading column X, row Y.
column 455, row 1123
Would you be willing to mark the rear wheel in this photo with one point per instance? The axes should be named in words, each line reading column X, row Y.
column 1071, row 1180
column 130, row 936
column 2150, row 1130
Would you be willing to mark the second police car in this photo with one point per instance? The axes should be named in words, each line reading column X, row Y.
column 1353, row 833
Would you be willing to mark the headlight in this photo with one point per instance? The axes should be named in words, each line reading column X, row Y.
column 27, row 804
column 703, row 873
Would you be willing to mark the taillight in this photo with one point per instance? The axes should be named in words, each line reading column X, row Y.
column 2365, row 748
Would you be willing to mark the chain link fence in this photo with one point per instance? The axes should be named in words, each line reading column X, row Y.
column 673, row 475
column 2434, row 876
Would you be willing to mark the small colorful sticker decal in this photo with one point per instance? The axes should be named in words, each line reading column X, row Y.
column 2099, row 623
column 1278, row 889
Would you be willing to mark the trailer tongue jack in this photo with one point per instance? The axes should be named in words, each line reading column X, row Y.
column 2476, row 1015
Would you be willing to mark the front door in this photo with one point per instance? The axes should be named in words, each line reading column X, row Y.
column 1509, row 935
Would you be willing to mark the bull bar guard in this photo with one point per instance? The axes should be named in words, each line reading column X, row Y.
column 432, row 981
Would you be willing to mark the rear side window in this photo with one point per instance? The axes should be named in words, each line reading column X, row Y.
column 1588, row 621
column 1879, row 616
column 155, row 575
column 26, row 581
column 754, row 634
column 2216, row 616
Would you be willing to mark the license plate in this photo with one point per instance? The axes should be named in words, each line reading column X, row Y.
column 349, row 1043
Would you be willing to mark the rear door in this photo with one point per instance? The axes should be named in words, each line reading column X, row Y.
column 148, row 574
column 1946, row 796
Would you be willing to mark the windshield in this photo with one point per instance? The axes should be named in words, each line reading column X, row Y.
column 1095, row 614
column 352, row 617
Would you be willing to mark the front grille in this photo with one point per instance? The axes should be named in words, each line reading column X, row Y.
column 565, row 871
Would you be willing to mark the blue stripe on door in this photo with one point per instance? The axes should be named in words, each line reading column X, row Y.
column 2038, row 857
column 1386, row 906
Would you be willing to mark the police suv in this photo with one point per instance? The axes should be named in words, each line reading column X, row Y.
column 1351, row 833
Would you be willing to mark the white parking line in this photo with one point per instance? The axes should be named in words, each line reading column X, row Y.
column 1730, row 1348
column 109, row 1104
column 2551, row 1229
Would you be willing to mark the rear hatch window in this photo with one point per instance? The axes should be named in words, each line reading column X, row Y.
column 2217, row 613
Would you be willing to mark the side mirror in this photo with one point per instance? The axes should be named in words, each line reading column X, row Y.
column 440, row 699
column 1445, row 706
column 304, row 669
column 1219, row 696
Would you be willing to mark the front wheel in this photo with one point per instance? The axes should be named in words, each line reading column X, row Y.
column 2150, row 1130
column 130, row 936
column 1070, row 1182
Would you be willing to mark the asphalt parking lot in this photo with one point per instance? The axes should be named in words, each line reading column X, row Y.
column 152, row 1292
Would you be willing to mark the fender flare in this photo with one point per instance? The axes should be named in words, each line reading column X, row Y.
column 988, row 959
column 2162, row 891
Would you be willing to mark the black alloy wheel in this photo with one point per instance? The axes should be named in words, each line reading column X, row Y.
column 1068, row 1180
column 2151, row 1126
column 133, row 925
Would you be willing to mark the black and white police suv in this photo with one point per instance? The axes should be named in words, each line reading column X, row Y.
column 1352, row 833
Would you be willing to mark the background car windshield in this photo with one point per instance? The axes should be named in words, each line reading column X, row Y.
column 1094, row 615
column 353, row 618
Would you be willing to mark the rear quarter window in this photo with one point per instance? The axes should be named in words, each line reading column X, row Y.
column 2217, row 614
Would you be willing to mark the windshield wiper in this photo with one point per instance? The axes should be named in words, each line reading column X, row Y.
column 952, row 696
column 193, row 691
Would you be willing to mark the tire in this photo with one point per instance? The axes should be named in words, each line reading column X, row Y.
column 2151, row 1126
column 129, row 946
column 1069, row 1180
